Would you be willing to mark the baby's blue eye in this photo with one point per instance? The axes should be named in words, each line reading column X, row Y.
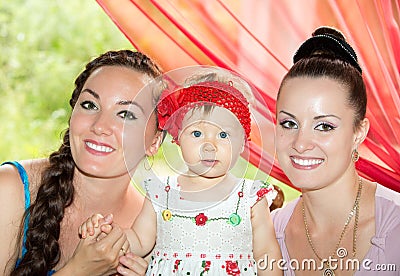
column 196, row 133
column 223, row 135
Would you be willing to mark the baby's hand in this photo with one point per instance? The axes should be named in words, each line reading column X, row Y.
column 95, row 221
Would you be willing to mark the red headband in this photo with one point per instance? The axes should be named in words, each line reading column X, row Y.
column 217, row 93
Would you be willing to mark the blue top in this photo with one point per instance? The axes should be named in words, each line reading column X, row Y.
column 25, row 181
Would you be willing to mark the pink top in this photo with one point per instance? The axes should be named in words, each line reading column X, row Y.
column 384, row 253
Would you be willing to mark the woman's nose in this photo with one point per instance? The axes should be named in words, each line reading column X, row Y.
column 102, row 125
column 303, row 141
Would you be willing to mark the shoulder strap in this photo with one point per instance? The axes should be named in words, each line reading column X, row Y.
column 24, row 177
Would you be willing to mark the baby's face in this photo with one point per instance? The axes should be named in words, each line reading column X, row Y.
column 211, row 143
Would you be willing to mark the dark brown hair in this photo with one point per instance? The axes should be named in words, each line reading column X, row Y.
column 327, row 54
column 56, row 191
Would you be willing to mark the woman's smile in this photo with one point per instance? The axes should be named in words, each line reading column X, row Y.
column 306, row 163
column 98, row 148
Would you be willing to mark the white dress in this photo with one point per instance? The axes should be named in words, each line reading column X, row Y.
column 203, row 238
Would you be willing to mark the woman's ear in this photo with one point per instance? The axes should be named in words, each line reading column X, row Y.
column 155, row 144
column 361, row 132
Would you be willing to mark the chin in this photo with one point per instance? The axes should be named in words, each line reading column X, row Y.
column 94, row 170
column 213, row 175
column 301, row 180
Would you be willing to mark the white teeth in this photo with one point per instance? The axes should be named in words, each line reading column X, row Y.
column 99, row 148
column 307, row 162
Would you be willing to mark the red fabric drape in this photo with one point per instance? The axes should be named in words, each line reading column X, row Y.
column 258, row 39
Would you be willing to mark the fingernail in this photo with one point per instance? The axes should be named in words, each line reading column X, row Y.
column 121, row 270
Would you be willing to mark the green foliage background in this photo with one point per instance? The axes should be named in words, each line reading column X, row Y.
column 44, row 45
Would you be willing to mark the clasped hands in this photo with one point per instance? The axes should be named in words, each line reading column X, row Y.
column 99, row 226
column 110, row 243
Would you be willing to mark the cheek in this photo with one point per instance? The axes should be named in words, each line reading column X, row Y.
column 76, row 123
column 190, row 152
column 336, row 148
column 133, row 145
column 230, row 151
column 133, row 136
column 149, row 132
column 81, row 120
column 282, row 139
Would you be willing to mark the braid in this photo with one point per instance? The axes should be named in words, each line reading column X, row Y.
column 54, row 195
column 56, row 191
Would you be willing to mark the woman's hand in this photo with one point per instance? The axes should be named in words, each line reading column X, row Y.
column 97, row 257
column 133, row 265
column 87, row 228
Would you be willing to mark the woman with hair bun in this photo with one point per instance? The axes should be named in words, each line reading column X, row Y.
column 342, row 224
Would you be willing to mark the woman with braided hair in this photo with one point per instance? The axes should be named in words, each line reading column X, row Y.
column 342, row 224
column 43, row 201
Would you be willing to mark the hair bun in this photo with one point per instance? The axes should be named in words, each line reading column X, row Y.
column 329, row 42
column 325, row 30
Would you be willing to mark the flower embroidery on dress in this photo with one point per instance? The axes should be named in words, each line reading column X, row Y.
column 201, row 219
column 232, row 268
column 264, row 189
column 206, row 266
column 234, row 219
column 176, row 265
column 166, row 215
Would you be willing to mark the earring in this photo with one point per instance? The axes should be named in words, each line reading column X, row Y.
column 355, row 155
column 147, row 161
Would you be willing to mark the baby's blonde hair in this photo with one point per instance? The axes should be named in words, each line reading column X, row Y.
column 224, row 76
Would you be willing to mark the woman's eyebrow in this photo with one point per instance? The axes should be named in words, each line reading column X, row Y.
column 131, row 103
column 325, row 116
column 91, row 92
column 315, row 118
column 287, row 113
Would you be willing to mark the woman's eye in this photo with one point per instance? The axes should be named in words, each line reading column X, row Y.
column 223, row 135
column 89, row 105
column 288, row 124
column 127, row 115
column 196, row 133
column 324, row 127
